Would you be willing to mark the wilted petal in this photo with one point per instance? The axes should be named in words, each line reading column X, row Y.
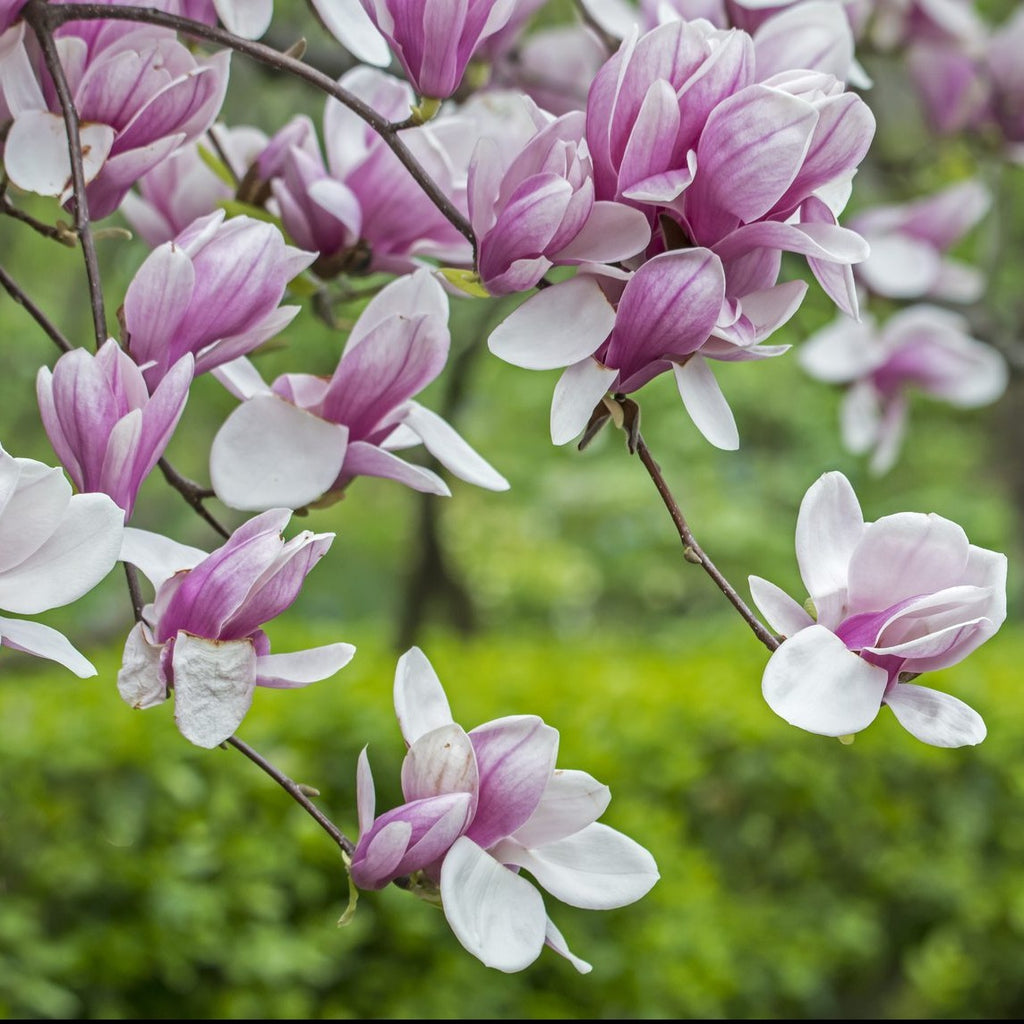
column 36, row 152
column 815, row 683
column 497, row 915
column 936, row 718
column 140, row 681
column 213, row 687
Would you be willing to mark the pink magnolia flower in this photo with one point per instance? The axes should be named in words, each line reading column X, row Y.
column 9, row 11
column 102, row 422
column 306, row 437
column 922, row 347
column 903, row 595
column 909, row 243
column 214, row 291
column 434, row 40
column 202, row 637
column 1006, row 74
column 481, row 807
column 139, row 93
column 183, row 188
column 538, row 210
column 55, row 546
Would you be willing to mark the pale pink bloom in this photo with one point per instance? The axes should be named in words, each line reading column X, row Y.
column 910, row 241
column 434, row 40
column 202, row 638
column 184, row 187
column 904, row 595
column 924, row 348
column 306, row 437
column 214, row 291
column 139, row 93
column 539, row 211
column 954, row 92
column 1006, row 73
column 105, row 427
column 55, row 546
column 483, row 806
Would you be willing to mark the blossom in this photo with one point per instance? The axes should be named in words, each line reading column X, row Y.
column 212, row 291
column 201, row 636
column 138, row 91
column 9, row 11
column 306, row 436
column 55, row 546
column 921, row 347
column 482, row 806
column 434, row 40
column 910, row 241
column 894, row 598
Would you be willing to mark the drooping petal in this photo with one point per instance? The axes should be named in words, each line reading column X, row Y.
column 213, row 686
column 140, row 681
column 705, row 403
column 300, row 668
column 577, row 392
column 554, row 938
column 44, row 642
column 363, row 459
column 496, row 914
column 936, row 718
column 815, row 683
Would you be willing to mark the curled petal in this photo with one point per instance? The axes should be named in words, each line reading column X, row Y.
column 288, row 671
column 451, row 450
column 44, row 642
column 936, row 718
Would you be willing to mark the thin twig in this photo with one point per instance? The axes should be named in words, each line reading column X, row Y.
column 58, row 14
column 193, row 494
column 37, row 14
column 693, row 552
column 297, row 793
column 34, row 311
column 59, row 233
column 134, row 591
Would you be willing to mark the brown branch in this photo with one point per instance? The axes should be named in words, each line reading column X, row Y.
column 693, row 552
column 58, row 14
column 34, row 311
column 193, row 494
column 58, row 233
column 134, row 591
column 39, row 18
column 297, row 793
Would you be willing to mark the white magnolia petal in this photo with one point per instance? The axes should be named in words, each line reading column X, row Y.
column 556, row 327
column 78, row 555
column 44, row 642
column 300, row 668
column 440, row 761
column 815, row 683
column 272, row 454
column 936, row 718
column 214, row 682
column 497, row 915
column 571, row 801
column 900, row 267
column 420, row 701
column 157, row 557
column 246, row 18
column 784, row 615
column 578, row 390
column 597, row 868
column 241, row 378
column 554, row 938
column 366, row 797
column 36, row 152
column 450, row 449
column 349, row 23
column 140, row 681
column 705, row 403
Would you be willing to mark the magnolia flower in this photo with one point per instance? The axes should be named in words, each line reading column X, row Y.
column 213, row 291
column 304, row 437
column 138, row 91
column 55, row 546
column 202, row 637
column 9, row 11
column 481, row 807
column 435, row 40
column 922, row 347
column 894, row 598
column 105, row 427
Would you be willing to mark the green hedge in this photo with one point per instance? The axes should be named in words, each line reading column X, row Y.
column 143, row 877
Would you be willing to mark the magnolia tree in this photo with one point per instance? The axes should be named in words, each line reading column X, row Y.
column 640, row 192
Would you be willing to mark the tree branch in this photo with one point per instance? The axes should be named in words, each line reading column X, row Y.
column 34, row 311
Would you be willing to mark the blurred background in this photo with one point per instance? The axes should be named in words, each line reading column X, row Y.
column 143, row 877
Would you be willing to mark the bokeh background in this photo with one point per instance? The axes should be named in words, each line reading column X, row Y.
column 143, row 877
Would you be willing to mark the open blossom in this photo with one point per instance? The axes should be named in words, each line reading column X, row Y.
column 924, row 348
column 55, row 546
column 904, row 595
column 139, row 92
column 212, row 291
column 306, row 436
column 435, row 40
column 909, row 243
column 482, row 806
column 202, row 635
column 106, row 428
